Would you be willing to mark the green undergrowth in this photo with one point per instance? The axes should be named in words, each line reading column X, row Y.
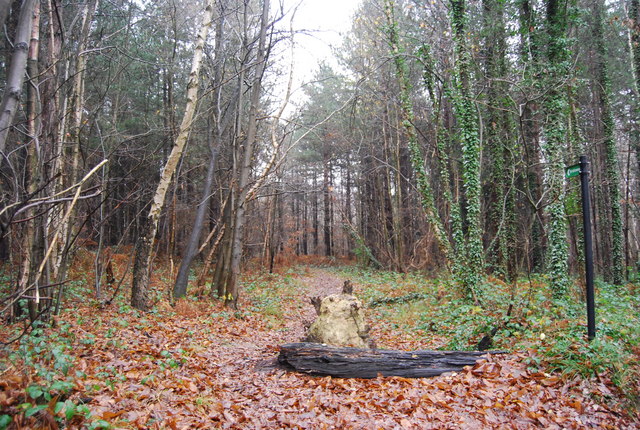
column 521, row 316
column 515, row 317
column 47, row 357
column 269, row 294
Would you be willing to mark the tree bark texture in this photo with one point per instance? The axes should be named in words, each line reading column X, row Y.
column 245, row 157
column 344, row 362
column 182, row 279
column 143, row 254
column 16, row 71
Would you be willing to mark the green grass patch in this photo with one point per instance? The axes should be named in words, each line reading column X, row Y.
column 269, row 294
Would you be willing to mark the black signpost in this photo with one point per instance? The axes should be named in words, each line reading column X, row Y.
column 582, row 169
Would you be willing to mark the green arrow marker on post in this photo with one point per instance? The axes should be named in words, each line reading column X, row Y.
column 572, row 171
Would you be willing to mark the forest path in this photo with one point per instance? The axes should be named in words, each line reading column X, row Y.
column 315, row 282
column 320, row 282
column 198, row 365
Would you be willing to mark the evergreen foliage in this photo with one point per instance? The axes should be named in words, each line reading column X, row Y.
column 469, row 135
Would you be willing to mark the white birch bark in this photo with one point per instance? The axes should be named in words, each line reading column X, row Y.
column 143, row 254
column 16, row 72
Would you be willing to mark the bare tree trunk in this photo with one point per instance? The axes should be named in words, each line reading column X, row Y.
column 327, row 198
column 31, row 238
column 530, row 132
column 70, row 176
column 275, row 229
column 218, row 284
column 268, row 231
column 399, row 227
column 314, row 211
column 180, row 287
column 16, row 71
column 78, row 87
column 242, row 186
column 143, row 254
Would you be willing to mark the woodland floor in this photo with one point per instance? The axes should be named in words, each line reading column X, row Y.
column 200, row 366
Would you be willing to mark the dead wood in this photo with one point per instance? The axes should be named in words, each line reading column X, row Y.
column 340, row 322
column 347, row 288
column 345, row 362
column 315, row 301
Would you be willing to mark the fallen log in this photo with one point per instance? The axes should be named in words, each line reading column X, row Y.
column 344, row 362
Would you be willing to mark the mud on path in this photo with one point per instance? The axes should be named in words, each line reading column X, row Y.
column 200, row 366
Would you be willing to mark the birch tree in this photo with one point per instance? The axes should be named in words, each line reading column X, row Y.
column 215, row 132
column 16, row 71
column 144, row 245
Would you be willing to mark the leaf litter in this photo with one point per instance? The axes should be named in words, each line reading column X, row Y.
column 201, row 366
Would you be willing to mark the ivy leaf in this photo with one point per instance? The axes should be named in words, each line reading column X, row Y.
column 99, row 424
column 5, row 420
column 34, row 410
column 61, row 386
column 34, row 391
column 70, row 410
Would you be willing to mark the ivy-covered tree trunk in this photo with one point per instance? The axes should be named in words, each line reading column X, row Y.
column 499, row 190
column 555, row 133
column 634, row 48
column 612, row 182
column 634, row 40
column 467, row 118
column 415, row 154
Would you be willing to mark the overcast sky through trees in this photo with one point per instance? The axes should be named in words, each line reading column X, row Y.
column 320, row 25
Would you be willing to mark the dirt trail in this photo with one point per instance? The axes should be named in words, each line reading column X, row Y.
column 204, row 369
column 300, row 312
column 321, row 283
